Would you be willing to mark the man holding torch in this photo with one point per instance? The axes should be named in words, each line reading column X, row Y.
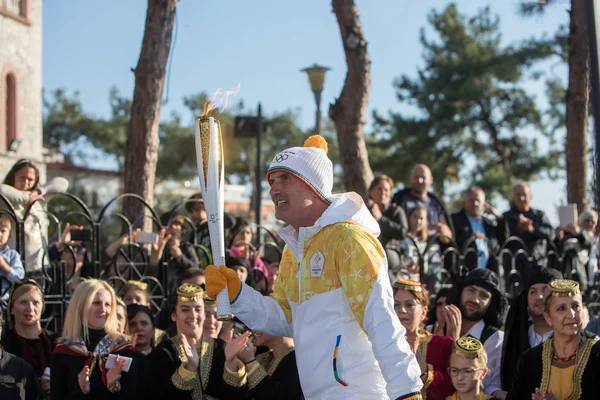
column 333, row 294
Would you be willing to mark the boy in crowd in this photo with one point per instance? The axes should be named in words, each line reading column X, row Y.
column 11, row 267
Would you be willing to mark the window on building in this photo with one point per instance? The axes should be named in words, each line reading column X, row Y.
column 16, row 7
column 10, row 118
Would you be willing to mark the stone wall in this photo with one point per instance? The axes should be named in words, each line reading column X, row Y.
column 21, row 54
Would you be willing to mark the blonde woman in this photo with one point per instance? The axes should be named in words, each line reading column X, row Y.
column 90, row 335
column 24, row 336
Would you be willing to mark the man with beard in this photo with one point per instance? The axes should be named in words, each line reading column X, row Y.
column 521, row 335
column 482, row 307
column 418, row 195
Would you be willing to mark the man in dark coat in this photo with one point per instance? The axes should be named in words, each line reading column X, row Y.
column 476, row 234
column 530, row 225
column 520, row 334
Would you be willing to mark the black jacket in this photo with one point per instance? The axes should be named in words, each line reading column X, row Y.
column 281, row 384
column 536, row 240
column 17, row 379
column 166, row 358
column 393, row 225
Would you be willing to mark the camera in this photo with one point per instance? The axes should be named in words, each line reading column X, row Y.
column 147, row 237
column 239, row 328
column 83, row 235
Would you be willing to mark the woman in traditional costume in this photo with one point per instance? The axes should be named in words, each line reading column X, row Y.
column 24, row 336
column 192, row 366
column 411, row 300
column 272, row 375
column 468, row 367
column 566, row 366
column 79, row 366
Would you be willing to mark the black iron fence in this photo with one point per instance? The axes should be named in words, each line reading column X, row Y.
column 109, row 250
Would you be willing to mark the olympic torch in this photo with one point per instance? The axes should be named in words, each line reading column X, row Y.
column 209, row 158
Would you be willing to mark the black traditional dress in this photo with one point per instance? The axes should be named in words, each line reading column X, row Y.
column 171, row 380
column 69, row 359
column 536, row 369
column 37, row 352
column 275, row 378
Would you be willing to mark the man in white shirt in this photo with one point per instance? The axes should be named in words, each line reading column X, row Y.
column 525, row 324
column 482, row 307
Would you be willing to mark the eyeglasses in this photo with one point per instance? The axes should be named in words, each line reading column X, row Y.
column 467, row 372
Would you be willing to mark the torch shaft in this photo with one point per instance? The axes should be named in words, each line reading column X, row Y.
column 209, row 157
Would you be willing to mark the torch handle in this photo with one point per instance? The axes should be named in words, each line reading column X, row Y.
column 223, row 306
column 224, row 312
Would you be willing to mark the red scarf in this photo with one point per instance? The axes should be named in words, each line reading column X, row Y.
column 107, row 345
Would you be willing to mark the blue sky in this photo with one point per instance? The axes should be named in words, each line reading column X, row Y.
column 88, row 46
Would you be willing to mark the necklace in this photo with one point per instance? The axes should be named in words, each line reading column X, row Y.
column 565, row 360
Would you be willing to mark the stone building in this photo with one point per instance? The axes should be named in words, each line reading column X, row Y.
column 21, row 83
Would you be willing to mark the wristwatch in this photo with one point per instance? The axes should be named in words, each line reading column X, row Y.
column 116, row 388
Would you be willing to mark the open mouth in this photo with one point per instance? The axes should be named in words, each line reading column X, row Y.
column 280, row 203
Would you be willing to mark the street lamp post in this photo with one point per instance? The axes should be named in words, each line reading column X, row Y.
column 247, row 126
column 316, row 77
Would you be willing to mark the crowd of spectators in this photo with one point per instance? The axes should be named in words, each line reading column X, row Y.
column 471, row 285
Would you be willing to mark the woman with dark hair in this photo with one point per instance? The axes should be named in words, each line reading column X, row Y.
column 21, row 187
column 437, row 311
column 390, row 217
column 24, row 336
column 141, row 327
column 421, row 252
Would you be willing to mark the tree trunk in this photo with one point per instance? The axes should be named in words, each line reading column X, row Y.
column 577, row 109
column 349, row 109
column 141, row 154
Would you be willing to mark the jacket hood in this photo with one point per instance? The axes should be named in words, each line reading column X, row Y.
column 345, row 207
column 349, row 207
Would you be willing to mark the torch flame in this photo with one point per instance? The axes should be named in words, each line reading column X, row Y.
column 219, row 100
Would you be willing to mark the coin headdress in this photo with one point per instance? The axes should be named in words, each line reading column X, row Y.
column 468, row 347
column 187, row 292
column 121, row 303
column 564, row 288
column 137, row 285
column 415, row 288
column 408, row 285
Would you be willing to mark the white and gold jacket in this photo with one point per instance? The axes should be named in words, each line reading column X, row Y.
column 333, row 296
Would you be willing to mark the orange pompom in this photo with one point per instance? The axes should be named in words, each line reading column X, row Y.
column 317, row 141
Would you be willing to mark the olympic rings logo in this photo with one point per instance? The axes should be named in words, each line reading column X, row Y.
column 280, row 158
